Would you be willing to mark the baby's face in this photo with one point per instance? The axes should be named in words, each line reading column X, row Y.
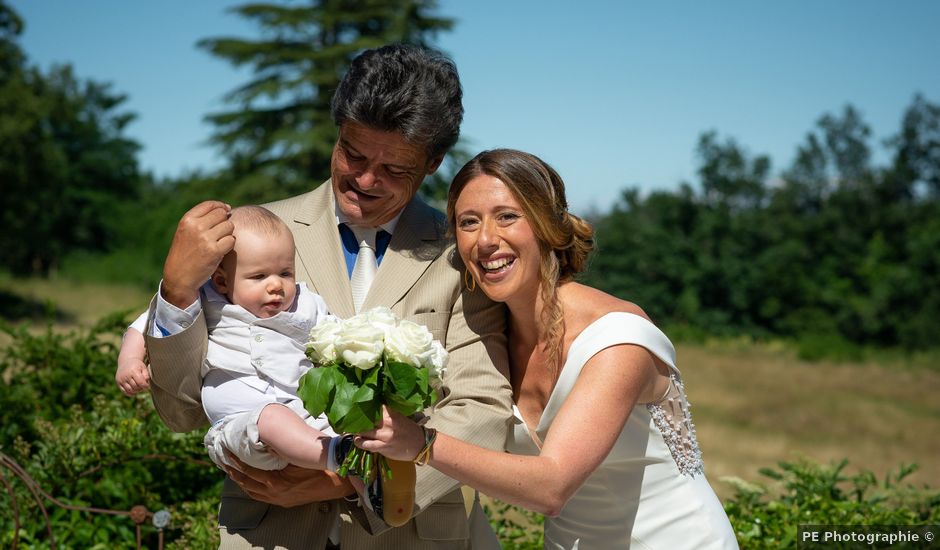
column 260, row 277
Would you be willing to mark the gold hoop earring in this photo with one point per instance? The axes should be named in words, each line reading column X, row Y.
column 469, row 281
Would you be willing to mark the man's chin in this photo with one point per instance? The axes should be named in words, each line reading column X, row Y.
column 351, row 207
column 356, row 215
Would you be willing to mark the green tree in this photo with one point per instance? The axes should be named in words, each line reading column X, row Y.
column 836, row 250
column 729, row 178
column 662, row 278
column 11, row 57
column 64, row 161
column 918, row 146
column 279, row 134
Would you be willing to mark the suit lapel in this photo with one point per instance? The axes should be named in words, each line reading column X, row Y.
column 319, row 249
column 415, row 244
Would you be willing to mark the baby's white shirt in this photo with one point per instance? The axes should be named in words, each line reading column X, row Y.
column 273, row 348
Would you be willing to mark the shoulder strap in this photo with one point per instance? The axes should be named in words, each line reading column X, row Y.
column 611, row 329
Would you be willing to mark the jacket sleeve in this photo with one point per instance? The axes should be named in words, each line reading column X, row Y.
column 477, row 402
column 175, row 381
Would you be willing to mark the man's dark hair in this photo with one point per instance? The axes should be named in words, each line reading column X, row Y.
column 407, row 89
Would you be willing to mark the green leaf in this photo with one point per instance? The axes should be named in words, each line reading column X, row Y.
column 360, row 417
column 317, row 387
column 402, row 405
column 423, row 383
column 372, row 378
column 343, row 400
column 404, row 378
column 354, row 407
column 364, row 394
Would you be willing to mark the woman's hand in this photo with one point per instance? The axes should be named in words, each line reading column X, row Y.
column 397, row 437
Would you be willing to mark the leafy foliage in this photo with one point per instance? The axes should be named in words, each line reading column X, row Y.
column 88, row 445
column 823, row 495
column 516, row 528
column 64, row 421
column 64, row 161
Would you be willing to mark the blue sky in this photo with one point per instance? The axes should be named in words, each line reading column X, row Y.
column 614, row 94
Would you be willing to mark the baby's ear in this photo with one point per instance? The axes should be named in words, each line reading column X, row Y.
column 219, row 281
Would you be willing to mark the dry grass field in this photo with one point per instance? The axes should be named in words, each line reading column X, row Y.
column 753, row 405
column 77, row 304
column 756, row 405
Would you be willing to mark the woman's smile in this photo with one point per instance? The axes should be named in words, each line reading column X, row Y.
column 497, row 265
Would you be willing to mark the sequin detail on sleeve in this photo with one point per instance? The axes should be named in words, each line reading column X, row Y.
column 673, row 417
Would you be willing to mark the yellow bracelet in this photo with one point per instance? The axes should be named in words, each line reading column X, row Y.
column 423, row 457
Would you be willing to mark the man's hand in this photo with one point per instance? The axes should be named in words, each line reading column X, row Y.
column 203, row 237
column 292, row 486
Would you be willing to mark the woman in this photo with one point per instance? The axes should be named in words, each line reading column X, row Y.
column 603, row 441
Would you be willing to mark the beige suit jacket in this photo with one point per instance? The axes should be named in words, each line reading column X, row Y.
column 420, row 279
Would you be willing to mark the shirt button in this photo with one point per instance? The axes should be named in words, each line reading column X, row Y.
column 185, row 324
column 324, row 507
column 258, row 338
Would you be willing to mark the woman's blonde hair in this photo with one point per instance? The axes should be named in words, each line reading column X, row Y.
column 565, row 240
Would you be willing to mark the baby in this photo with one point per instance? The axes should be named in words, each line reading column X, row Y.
column 259, row 319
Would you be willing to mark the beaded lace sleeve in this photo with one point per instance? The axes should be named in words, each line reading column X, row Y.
column 673, row 417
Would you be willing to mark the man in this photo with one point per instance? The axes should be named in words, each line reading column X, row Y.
column 398, row 111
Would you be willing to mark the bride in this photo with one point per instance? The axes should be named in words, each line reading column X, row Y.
column 603, row 443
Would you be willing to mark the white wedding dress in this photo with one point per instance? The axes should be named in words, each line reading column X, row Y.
column 650, row 491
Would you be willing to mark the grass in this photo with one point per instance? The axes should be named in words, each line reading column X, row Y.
column 753, row 404
column 74, row 303
column 756, row 405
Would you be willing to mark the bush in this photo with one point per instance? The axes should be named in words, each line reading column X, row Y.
column 64, row 422
column 63, row 419
column 822, row 495
column 516, row 528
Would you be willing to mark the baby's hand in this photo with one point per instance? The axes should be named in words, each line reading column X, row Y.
column 132, row 377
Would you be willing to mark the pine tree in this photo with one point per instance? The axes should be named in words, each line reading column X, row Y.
column 279, row 134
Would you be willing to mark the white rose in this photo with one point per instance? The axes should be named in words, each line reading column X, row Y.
column 360, row 343
column 437, row 361
column 383, row 318
column 322, row 340
column 409, row 343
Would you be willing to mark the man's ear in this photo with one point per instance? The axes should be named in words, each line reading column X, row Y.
column 434, row 164
column 220, row 281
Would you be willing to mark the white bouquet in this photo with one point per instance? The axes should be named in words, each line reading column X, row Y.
column 364, row 362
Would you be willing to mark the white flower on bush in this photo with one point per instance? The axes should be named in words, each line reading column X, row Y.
column 360, row 343
column 323, row 339
column 409, row 343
